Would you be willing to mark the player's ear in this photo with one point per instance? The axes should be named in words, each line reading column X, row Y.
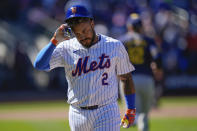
column 92, row 23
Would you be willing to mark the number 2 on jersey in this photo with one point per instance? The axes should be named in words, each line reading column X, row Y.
column 104, row 79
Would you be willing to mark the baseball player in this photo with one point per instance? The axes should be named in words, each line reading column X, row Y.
column 143, row 53
column 93, row 65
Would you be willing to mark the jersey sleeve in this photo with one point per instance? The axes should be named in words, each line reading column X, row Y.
column 123, row 63
column 57, row 57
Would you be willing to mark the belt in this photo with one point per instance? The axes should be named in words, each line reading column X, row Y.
column 90, row 107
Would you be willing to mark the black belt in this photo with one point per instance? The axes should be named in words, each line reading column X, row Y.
column 89, row 107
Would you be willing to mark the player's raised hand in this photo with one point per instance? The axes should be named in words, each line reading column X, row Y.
column 61, row 34
column 129, row 118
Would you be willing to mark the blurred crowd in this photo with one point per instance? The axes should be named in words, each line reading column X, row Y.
column 27, row 25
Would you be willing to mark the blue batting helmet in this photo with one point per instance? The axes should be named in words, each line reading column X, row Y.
column 77, row 11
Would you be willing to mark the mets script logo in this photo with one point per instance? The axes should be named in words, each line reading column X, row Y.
column 74, row 10
column 82, row 67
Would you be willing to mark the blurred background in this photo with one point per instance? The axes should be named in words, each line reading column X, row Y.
column 26, row 26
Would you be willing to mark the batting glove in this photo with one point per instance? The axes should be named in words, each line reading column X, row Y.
column 129, row 118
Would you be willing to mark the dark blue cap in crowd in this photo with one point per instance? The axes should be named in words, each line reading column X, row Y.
column 133, row 19
column 77, row 11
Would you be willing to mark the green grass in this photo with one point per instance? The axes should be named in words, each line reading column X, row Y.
column 159, row 124
column 38, row 125
column 174, row 124
column 156, row 124
column 21, row 106
column 178, row 101
column 170, row 124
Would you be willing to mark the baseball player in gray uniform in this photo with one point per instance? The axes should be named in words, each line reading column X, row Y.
column 144, row 54
column 93, row 65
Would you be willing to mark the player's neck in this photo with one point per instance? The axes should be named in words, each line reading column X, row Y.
column 96, row 39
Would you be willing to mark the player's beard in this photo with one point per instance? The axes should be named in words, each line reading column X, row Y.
column 93, row 38
column 88, row 45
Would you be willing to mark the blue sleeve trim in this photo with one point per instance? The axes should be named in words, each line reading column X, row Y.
column 130, row 101
column 43, row 57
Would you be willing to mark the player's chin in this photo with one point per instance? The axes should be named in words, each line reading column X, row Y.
column 86, row 43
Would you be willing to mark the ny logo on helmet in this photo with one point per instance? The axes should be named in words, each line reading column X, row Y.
column 74, row 10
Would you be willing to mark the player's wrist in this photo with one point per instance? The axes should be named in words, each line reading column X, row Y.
column 130, row 101
column 54, row 41
column 131, row 111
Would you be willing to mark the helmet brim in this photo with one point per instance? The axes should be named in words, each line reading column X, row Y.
column 77, row 16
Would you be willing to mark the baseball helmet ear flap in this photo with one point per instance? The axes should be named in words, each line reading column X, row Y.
column 77, row 11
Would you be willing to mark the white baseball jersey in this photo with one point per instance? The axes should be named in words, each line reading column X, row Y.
column 92, row 72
